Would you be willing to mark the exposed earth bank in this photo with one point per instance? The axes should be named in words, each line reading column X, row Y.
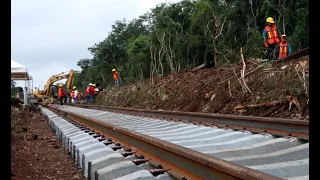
column 267, row 89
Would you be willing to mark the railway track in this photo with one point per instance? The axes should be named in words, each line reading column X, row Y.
column 187, row 145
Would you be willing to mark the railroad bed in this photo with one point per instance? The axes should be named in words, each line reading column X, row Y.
column 283, row 157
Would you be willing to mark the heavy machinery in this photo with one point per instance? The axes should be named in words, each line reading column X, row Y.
column 50, row 91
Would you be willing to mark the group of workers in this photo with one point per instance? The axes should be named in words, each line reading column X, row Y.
column 273, row 39
column 76, row 97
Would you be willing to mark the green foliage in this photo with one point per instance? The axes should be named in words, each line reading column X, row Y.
column 176, row 36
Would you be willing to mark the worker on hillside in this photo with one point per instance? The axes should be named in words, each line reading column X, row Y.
column 285, row 48
column 116, row 77
column 75, row 95
column 271, row 37
column 61, row 94
column 88, row 93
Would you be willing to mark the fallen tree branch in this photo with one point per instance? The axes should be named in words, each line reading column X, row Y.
column 268, row 104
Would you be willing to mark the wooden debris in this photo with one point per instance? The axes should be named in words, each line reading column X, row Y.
column 268, row 104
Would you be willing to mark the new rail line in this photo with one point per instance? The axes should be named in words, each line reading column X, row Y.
column 180, row 145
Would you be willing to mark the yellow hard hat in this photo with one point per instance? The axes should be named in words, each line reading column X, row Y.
column 284, row 36
column 270, row 20
column 74, row 87
column 60, row 85
column 94, row 85
column 113, row 70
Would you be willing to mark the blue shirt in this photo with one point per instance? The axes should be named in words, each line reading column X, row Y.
column 264, row 34
column 289, row 49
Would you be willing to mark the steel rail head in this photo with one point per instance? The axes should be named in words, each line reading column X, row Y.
column 202, row 165
column 278, row 126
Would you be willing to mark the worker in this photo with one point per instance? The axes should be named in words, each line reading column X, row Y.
column 88, row 93
column 271, row 37
column 116, row 77
column 61, row 94
column 92, row 93
column 285, row 48
column 75, row 95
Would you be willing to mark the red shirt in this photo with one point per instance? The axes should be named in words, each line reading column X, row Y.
column 91, row 90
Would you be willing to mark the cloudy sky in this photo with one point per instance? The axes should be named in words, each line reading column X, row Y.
column 51, row 36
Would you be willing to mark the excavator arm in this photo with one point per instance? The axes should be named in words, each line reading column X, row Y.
column 69, row 76
column 46, row 94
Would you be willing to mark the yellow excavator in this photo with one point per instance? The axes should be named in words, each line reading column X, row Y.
column 50, row 91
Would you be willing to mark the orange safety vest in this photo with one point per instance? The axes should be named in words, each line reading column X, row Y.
column 272, row 34
column 283, row 50
column 115, row 76
column 61, row 92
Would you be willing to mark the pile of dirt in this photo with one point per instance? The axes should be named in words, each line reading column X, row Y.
column 267, row 89
column 36, row 153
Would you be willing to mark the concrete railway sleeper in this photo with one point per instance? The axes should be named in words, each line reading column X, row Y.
column 99, row 157
column 222, row 153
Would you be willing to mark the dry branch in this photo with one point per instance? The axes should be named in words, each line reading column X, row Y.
column 268, row 104
column 246, row 88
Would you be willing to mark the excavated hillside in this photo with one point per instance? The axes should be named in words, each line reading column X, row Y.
column 264, row 89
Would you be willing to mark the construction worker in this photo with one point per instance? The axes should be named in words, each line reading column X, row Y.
column 75, row 95
column 271, row 37
column 61, row 94
column 88, row 93
column 116, row 77
column 285, row 48
column 92, row 93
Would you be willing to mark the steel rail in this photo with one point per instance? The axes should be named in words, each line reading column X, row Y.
column 275, row 126
column 179, row 158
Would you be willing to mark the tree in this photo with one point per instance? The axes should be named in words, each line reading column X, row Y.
column 175, row 36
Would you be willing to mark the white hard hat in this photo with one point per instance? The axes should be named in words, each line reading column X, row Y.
column 90, row 84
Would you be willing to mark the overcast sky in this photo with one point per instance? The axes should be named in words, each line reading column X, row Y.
column 51, row 36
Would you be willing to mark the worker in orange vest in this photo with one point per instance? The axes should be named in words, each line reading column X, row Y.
column 61, row 94
column 285, row 48
column 271, row 36
column 116, row 77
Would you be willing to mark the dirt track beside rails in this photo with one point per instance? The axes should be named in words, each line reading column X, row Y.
column 36, row 153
